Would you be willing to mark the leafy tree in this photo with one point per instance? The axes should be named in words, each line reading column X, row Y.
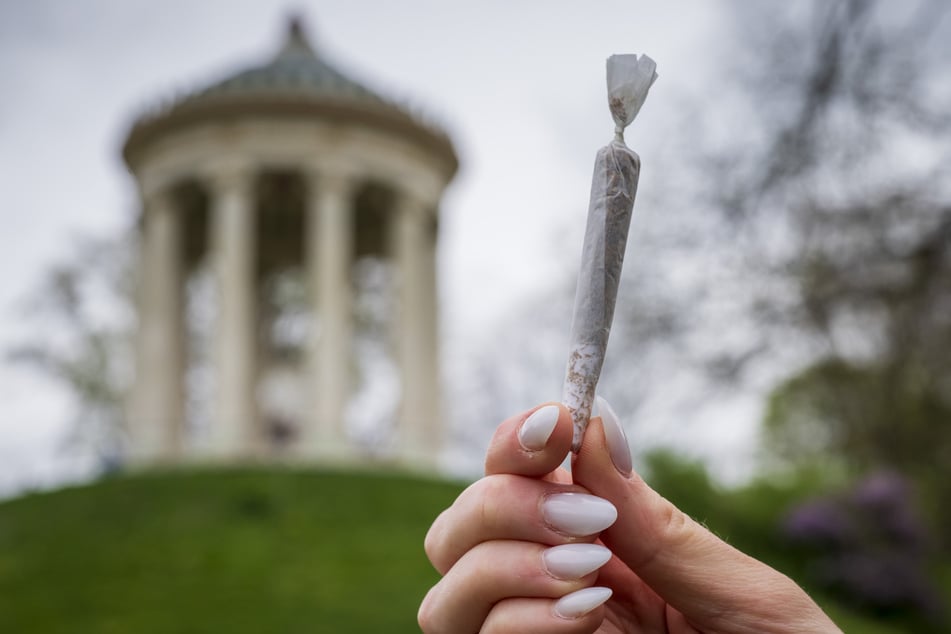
column 83, row 317
column 843, row 217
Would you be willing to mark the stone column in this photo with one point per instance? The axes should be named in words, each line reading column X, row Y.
column 416, row 335
column 234, row 432
column 157, row 416
column 329, row 248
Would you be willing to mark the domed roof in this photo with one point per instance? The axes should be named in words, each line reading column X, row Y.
column 296, row 69
column 296, row 81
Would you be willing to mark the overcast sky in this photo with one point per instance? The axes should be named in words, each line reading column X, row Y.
column 518, row 85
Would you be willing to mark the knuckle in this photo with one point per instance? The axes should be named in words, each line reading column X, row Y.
column 432, row 543
column 424, row 617
column 492, row 485
column 672, row 523
column 673, row 526
column 474, row 511
column 671, row 530
column 484, row 494
column 479, row 563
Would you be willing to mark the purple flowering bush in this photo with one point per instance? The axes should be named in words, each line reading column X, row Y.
column 869, row 546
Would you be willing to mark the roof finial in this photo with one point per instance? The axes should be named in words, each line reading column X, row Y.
column 296, row 42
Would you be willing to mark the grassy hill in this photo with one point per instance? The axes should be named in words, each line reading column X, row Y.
column 268, row 550
column 254, row 550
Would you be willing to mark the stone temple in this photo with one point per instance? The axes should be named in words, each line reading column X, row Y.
column 288, row 220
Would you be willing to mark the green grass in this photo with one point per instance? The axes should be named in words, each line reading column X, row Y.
column 276, row 551
column 252, row 550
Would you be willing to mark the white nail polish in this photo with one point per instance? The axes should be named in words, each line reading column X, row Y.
column 617, row 440
column 578, row 514
column 537, row 428
column 573, row 561
column 577, row 604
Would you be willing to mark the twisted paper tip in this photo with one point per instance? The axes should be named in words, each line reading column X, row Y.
column 629, row 78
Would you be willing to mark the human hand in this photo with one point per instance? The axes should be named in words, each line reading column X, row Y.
column 519, row 539
column 667, row 573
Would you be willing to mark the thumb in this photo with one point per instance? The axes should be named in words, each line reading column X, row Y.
column 706, row 579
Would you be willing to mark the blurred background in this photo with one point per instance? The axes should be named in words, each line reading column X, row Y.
column 781, row 355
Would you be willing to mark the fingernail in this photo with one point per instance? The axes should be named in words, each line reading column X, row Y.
column 578, row 514
column 617, row 440
column 573, row 561
column 579, row 603
column 537, row 428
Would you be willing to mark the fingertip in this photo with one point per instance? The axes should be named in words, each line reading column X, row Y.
column 581, row 602
column 532, row 443
column 432, row 541
column 562, row 431
column 536, row 430
column 594, row 458
column 519, row 615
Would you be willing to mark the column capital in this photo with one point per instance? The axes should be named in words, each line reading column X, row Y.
column 158, row 180
column 416, row 203
column 332, row 177
column 154, row 194
column 156, row 199
column 229, row 176
column 426, row 190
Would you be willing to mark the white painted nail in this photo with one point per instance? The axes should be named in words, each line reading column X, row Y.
column 537, row 428
column 577, row 604
column 573, row 561
column 578, row 514
column 617, row 440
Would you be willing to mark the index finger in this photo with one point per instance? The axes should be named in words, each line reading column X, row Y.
column 532, row 443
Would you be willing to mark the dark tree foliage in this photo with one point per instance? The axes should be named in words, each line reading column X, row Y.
column 838, row 195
